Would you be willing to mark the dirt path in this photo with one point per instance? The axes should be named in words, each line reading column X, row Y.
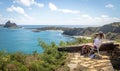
column 81, row 63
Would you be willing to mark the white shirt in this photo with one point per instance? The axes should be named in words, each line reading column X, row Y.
column 97, row 42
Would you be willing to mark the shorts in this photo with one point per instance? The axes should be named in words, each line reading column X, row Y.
column 95, row 47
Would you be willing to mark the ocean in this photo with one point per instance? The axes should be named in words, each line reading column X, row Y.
column 26, row 41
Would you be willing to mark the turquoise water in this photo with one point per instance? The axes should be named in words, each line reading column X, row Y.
column 26, row 41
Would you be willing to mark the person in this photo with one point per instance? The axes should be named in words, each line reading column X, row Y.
column 98, row 41
column 98, row 38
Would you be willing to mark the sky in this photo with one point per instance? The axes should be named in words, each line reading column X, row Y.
column 60, row 12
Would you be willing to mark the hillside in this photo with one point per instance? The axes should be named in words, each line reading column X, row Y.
column 80, row 31
column 113, row 27
column 112, row 31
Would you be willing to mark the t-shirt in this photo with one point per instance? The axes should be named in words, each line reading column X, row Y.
column 97, row 42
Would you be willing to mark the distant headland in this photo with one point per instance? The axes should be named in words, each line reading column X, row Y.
column 111, row 30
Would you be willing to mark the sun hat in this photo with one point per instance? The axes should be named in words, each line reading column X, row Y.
column 100, row 32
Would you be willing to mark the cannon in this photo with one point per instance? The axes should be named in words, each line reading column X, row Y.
column 77, row 48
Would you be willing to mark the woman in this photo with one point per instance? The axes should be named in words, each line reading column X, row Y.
column 96, row 44
column 98, row 41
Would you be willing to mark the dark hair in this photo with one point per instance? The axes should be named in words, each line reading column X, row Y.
column 101, row 35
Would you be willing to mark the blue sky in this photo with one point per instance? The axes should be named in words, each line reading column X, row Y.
column 60, row 12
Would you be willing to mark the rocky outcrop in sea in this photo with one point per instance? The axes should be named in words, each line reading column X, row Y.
column 8, row 24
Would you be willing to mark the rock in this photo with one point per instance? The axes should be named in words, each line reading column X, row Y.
column 8, row 24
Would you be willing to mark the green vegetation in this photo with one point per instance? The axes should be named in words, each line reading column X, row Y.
column 78, row 41
column 49, row 60
column 113, row 36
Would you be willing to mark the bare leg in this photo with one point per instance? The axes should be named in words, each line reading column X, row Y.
column 98, row 51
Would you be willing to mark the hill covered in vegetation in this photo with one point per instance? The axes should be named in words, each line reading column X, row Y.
column 112, row 31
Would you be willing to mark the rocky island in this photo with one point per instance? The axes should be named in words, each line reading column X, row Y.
column 8, row 24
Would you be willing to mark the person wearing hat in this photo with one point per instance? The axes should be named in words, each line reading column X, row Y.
column 97, row 41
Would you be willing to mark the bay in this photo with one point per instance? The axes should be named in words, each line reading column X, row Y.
column 26, row 41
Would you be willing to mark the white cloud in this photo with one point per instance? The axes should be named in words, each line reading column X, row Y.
column 18, row 10
column 83, row 19
column 40, row 5
column 24, row 2
column 53, row 7
column 100, row 20
column 109, row 6
column 104, row 16
column 69, row 11
column 86, row 16
column 29, row 3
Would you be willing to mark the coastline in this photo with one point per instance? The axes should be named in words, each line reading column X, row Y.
column 86, row 37
column 82, row 32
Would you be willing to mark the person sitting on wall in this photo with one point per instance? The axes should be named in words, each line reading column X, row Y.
column 97, row 41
